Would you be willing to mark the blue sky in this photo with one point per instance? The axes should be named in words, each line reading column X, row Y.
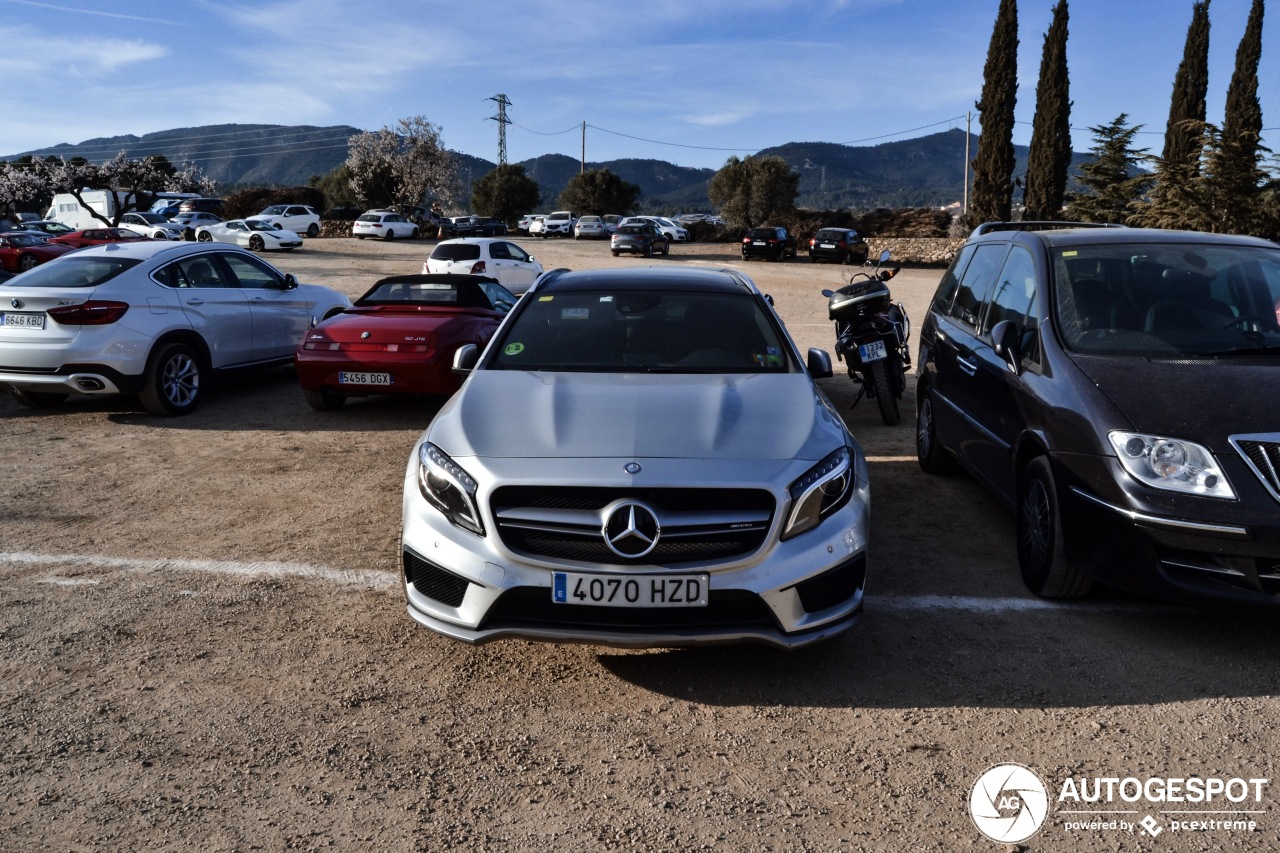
column 689, row 81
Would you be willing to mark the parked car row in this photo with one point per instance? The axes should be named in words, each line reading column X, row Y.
column 1103, row 383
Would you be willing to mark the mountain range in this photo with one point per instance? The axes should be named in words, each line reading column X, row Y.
column 927, row 171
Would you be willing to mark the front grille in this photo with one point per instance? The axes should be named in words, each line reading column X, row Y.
column 698, row 525
column 1262, row 453
column 834, row 586
column 434, row 582
column 1216, row 571
column 726, row 608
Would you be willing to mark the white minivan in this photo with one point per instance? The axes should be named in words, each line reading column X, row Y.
column 67, row 210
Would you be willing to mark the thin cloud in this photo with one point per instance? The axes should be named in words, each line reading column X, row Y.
column 53, row 7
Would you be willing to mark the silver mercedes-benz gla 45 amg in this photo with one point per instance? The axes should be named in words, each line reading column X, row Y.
column 638, row 458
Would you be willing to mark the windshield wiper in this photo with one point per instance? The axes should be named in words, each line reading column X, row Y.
column 1271, row 349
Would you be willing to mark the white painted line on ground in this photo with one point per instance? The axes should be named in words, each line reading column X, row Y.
column 261, row 568
column 386, row 581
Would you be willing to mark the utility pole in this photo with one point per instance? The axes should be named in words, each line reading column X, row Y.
column 968, row 119
column 582, row 168
column 503, row 121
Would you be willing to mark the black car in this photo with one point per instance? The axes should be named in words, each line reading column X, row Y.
column 639, row 239
column 842, row 245
column 1110, row 385
column 769, row 243
column 486, row 226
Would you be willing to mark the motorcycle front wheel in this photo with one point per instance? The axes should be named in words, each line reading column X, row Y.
column 883, row 386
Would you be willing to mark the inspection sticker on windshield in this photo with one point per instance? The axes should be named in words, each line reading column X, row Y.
column 513, row 349
column 575, row 313
column 632, row 591
column 545, row 298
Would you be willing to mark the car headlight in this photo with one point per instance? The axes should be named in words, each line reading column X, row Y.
column 448, row 488
column 1171, row 464
column 822, row 490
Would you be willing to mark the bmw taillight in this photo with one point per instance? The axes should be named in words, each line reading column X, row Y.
column 477, row 268
column 91, row 313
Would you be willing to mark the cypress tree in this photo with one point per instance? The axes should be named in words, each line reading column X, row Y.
column 1050, row 155
column 1181, row 136
column 993, row 166
column 1236, row 175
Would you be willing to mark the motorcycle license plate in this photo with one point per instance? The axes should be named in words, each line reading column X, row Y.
column 873, row 351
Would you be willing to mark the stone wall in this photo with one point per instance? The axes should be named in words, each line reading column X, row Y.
column 917, row 250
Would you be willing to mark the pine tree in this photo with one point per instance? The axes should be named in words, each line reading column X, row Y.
column 1109, row 176
column 993, row 166
column 1182, row 140
column 1236, row 175
column 1183, row 194
column 1050, row 155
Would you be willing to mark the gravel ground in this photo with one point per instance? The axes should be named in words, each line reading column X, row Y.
column 206, row 647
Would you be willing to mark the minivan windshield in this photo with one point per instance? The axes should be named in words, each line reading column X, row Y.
column 1160, row 301
column 642, row 331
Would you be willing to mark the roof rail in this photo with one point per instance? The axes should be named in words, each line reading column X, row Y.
column 988, row 227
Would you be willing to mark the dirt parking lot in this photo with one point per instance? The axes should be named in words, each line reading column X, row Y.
column 206, row 647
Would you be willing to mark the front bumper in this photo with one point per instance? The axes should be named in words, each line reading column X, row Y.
column 786, row 594
column 1180, row 547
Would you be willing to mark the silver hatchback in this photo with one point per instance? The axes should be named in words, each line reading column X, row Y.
column 638, row 458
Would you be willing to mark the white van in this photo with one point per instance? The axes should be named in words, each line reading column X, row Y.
column 67, row 210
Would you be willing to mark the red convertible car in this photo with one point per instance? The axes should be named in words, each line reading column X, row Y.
column 399, row 338
column 98, row 236
column 22, row 250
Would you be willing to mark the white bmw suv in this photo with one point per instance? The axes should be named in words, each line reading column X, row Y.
column 152, row 318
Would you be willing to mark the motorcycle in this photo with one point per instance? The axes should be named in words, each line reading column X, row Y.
column 871, row 335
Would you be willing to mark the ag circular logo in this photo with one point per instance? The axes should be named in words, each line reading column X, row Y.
column 1008, row 803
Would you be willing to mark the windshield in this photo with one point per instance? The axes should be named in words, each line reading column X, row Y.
column 369, row 217
column 74, row 270
column 1168, row 301
column 649, row 331
column 152, row 218
column 274, row 210
column 461, row 294
column 259, row 225
column 17, row 239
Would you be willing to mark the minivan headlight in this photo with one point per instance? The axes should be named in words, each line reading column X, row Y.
column 1171, row 464
column 822, row 490
column 449, row 488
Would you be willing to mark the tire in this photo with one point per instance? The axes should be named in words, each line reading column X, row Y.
column 848, row 259
column 360, row 236
column 206, row 237
column 1041, row 556
column 413, row 235
column 28, row 262
column 256, row 243
column 932, row 456
column 666, row 250
column 391, row 235
column 324, row 400
column 313, row 230
column 884, row 392
column 813, row 259
column 37, row 399
column 648, row 250
column 615, row 254
column 171, row 385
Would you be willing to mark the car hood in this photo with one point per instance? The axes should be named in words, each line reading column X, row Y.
column 520, row 414
column 1201, row 400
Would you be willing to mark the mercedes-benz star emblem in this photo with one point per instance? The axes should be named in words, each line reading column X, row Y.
column 632, row 467
column 16, row 303
column 631, row 529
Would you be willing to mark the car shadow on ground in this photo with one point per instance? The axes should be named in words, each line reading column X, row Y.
column 919, row 657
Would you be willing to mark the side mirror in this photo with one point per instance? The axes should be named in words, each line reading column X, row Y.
column 819, row 364
column 1005, row 339
column 768, row 298
column 828, row 293
column 884, row 256
column 290, row 282
column 465, row 358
